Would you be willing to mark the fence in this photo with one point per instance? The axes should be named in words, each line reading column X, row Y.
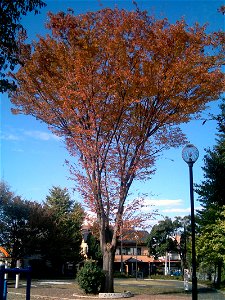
column 3, row 281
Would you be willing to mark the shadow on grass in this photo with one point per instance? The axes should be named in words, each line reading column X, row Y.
column 205, row 290
column 148, row 290
column 162, row 289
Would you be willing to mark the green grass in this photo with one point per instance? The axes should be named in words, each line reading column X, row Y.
column 166, row 277
column 137, row 287
column 147, row 287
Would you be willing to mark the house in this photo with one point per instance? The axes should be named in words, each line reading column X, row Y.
column 132, row 256
column 170, row 264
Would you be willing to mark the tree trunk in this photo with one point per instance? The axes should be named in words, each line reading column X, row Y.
column 108, row 262
column 219, row 274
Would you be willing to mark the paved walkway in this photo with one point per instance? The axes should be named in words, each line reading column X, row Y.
column 201, row 296
column 210, row 296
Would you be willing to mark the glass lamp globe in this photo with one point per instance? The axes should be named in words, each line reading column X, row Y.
column 190, row 154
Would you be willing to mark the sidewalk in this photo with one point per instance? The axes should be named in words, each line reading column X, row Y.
column 202, row 295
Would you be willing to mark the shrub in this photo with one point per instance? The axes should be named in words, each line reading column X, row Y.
column 120, row 275
column 166, row 277
column 90, row 278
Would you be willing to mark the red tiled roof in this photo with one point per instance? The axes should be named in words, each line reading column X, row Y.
column 143, row 258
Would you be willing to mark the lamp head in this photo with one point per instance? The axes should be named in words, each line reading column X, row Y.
column 190, row 154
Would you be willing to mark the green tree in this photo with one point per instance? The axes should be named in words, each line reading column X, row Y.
column 211, row 191
column 53, row 230
column 23, row 224
column 94, row 251
column 161, row 238
column 11, row 13
column 183, row 229
column 211, row 245
column 59, row 202
column 64, row 238
column 170, row 235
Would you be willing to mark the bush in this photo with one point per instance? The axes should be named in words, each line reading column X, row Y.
column 90, row 278
column 166, row 277
column 118, row 274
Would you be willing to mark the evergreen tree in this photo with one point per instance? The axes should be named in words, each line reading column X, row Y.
column 94, row 251
column 65, row 234
column 211, row 243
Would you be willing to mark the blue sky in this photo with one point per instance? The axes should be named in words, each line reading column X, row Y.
column 32, row 159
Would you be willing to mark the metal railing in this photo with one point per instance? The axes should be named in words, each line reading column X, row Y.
column 3, row 281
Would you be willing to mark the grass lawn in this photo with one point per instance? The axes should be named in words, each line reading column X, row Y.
column 148, row 287
column 58, row 290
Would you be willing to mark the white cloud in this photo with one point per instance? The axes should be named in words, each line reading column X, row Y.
column 41, row 135
column 36, row 134
column 9, row 137
column 167, row 207
column 198, row 208
column 164, row 202
column 177, row 210
column 180, row 210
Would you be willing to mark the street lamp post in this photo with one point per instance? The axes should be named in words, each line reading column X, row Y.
column 136, row 259
column 121, row 247
column 190, row 155
column 121, row 254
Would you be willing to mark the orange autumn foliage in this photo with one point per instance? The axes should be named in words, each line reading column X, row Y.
column 116, row 85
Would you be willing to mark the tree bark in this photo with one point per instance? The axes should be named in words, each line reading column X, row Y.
column 108, row 248
column 108, row 262
column 219, row 274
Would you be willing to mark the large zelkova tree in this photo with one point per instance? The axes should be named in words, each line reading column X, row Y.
column 116, row 85
column 211, row 241
column 11, row 32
